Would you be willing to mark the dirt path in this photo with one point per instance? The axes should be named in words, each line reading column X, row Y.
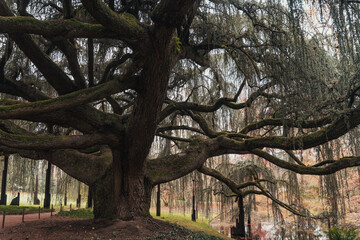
column 13, row 220
column 60, row 228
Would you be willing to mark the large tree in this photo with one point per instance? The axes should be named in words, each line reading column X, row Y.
column 102, row 79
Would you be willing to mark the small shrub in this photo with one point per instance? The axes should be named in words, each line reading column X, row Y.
column 340, row 233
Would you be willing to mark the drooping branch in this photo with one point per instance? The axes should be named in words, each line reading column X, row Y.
column 332, row 167
column 286, row 206
column 235, row 188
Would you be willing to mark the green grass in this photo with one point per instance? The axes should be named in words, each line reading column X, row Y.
column 18, row 209
column 201, row 224
column 77, row 213
column 340, row 233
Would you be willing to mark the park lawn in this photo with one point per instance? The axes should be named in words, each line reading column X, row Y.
column 201, row 224
column 12, row 210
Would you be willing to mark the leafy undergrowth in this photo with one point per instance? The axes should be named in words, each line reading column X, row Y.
column 13, row 210
column 77, row 213
column 201, row 226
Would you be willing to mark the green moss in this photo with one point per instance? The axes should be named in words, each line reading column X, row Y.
column 17, row 210
column 198, row 228
column 130, row 20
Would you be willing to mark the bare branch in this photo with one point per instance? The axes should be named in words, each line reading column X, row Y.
column 288, row 123
column 229, row 102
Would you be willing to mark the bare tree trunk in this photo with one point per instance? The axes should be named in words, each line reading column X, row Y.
column 122, row 193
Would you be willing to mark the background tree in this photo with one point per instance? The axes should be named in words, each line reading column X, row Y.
column 107, row 77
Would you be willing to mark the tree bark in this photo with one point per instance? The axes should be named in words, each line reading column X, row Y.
column 123, row 192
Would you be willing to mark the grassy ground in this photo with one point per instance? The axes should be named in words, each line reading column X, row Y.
column 77, row 213
column 18, row 209
column 201, row 224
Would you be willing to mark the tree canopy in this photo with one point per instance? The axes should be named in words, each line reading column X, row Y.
column 103, row 80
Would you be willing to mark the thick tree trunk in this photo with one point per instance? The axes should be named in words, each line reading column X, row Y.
column 123, row 192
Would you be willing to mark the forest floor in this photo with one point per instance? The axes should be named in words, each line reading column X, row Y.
column 61, row 228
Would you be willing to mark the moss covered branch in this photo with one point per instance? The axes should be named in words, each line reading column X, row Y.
column 55, row 29
column 66, row 101
column 86, row 168
column 36, row 142
column 164, row 169
column 124, row 24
